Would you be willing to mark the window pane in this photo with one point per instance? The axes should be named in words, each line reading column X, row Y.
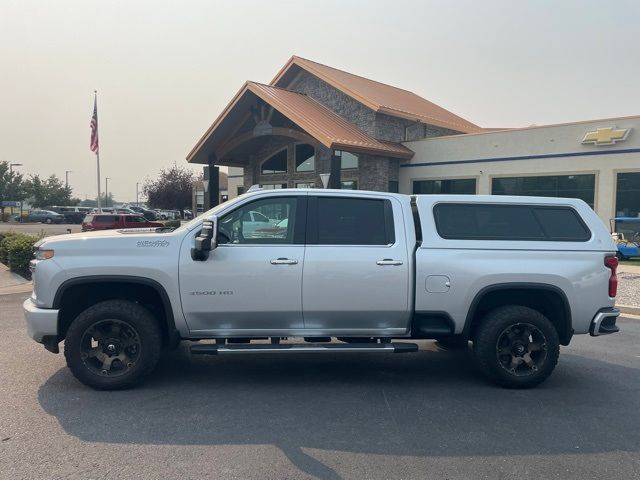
column 261, row 222
column 273, row 186
column 277, row 163
column 352, row 221
column 570, row 186
column 628, row 195
column 456, row 186
column 347, row 160
column 393, row 186
column 240, row 189
column 562, row 224
column 349, row 185
column 305, row 158
column 306, row 185
column 508, row 222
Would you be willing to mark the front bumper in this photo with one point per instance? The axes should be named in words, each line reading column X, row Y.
column 604, row 323
column 42, row 323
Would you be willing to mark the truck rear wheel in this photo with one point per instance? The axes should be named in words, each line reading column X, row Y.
column 113, row 345
column 516, row 346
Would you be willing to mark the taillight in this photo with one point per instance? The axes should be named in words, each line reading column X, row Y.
column 612, row 264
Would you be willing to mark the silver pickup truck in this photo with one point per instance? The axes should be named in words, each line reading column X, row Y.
column 338, row 271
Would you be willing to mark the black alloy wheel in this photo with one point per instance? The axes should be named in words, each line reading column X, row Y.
column 113, row 344
column 516, row 346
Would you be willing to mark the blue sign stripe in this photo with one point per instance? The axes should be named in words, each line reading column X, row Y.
column 523, row 157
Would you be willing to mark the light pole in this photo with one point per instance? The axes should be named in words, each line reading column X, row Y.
column 106, row 191
column 66, row 178
column 11, row 165
column 137, row 202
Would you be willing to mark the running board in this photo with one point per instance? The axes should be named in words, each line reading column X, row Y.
column 213, row 349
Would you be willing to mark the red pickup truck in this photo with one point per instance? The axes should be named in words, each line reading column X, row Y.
column 110, row 222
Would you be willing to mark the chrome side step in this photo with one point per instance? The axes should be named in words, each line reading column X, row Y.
column 213, row 349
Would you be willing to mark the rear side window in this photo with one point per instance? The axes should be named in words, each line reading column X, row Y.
column 106, row 219
column 509, row 222
column 351, row 221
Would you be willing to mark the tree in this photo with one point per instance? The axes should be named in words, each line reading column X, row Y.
column 172, row 189
column 12, row 186
column 50, row 191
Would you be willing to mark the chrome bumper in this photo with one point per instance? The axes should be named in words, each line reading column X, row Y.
column 604, row 323
column 41, row 322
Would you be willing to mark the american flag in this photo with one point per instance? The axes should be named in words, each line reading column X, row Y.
column 93, row 145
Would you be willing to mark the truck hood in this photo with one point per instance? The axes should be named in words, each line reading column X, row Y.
column 125, row 238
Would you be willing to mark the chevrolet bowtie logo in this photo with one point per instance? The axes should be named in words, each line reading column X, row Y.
column 606, row 136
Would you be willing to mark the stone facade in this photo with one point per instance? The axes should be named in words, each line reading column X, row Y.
column 345, row 106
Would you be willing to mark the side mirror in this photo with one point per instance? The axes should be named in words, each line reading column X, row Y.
column 206, row 240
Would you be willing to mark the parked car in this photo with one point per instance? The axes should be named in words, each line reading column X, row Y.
column 188, row 214
column 103, row 210
column 148, row 214
column 44, row 216
column 516, row 276
column 127, row 211
column 71, row 214
column 109, row 222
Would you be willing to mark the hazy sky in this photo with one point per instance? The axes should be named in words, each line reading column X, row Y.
column 165, row 70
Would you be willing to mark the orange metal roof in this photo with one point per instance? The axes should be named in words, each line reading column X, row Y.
column 381, row 97
column 317, row 120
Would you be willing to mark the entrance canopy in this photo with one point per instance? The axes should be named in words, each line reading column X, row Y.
column 259, row 112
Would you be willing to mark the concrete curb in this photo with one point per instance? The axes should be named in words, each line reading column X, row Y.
column 629, row 309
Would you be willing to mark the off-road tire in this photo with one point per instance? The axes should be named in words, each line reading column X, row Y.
column 130, row 313
column 487, row 336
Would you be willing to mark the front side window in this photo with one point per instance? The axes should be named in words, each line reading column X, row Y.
column 135, row 219
column 265, row 221
column 305, row 158
column 353, row 221
column 276, row 163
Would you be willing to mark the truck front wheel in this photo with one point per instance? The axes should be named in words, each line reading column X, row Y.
column 516, row 346
column 113, row 345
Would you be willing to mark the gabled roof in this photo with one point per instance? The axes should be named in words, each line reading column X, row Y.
column 377, row 96
column 324, row 125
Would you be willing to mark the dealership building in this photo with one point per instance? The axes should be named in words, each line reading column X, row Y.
column 314, row 125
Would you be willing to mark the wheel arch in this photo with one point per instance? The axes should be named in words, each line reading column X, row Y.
column 119, row 286
column 546, row 298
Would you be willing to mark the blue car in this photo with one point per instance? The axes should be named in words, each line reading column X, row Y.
column 44, row 216
column 628, row 232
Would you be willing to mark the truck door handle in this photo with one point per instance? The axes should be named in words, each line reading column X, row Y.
column 283, row 261
column 389, row 261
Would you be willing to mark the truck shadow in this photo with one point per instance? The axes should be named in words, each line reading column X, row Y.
column 424, row 404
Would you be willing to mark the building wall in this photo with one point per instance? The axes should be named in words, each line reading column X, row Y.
column 477, row 155
column 235, row 179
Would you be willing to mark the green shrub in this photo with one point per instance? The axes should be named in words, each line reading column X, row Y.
column 171, row 223
column 4, row 241
column 19, row 248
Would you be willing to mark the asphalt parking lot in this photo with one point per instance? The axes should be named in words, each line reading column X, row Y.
column 41, row 229
column 414, row 416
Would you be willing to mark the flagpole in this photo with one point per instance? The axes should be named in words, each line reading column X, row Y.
column 95, row 92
